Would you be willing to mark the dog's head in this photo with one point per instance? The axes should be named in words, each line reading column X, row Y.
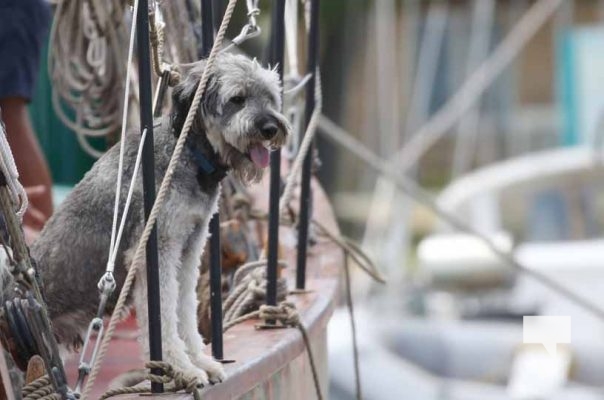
column 239, row 113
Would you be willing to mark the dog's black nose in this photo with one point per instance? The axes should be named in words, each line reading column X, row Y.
column 267, row 127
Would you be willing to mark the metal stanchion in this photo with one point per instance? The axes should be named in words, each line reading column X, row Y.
column 276, row 58
column 306, row 195
column 207, row 41
column 148, row 166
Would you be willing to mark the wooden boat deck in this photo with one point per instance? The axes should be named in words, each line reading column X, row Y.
column 269, row 364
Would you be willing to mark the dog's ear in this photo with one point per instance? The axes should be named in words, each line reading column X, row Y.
column 211, row 104
column 182, row 96
column 184, row 92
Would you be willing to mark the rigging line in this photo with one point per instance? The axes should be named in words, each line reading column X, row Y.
column 137, row 165
column 112, row 243
column 482, row 78
column 481, row 32
column 413, row 190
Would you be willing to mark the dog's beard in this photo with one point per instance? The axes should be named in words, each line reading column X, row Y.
column 242, row 167
column 244, row 151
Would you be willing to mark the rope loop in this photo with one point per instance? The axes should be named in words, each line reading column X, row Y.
column 285, row 312
column 180, row 379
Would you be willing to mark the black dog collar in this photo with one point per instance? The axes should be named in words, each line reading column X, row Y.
column 209, row 170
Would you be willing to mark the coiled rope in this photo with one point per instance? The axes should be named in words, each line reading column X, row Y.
column 139, row 256
column 249, row 292
column 84, row 65
column 40, row 389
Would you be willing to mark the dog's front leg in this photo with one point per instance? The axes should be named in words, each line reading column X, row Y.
column 173, row 346
column 187, row 309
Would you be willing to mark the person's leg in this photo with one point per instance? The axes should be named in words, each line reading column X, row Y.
column 31, row 164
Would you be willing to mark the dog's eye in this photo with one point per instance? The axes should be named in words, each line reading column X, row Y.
column 237, row 100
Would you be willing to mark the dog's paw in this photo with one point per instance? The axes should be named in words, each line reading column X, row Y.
column 181, row 362
column 216, row 373
column 214, row 369
column 199, row 375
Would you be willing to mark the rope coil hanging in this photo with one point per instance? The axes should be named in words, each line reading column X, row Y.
column 83, row 63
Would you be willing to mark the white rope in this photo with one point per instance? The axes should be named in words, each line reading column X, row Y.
column 9, row 170
column 139, row 255
column 84, row 63
column 118, row 238
column 114, row 244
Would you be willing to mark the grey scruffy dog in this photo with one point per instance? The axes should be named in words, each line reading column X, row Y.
column 237, row 123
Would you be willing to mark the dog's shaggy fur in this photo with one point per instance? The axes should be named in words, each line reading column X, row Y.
column 240, row 110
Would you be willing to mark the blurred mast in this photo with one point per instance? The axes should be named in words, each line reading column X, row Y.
column 483, row 14
column 392, row 246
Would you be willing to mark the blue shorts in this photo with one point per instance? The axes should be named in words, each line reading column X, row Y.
column 23, row 29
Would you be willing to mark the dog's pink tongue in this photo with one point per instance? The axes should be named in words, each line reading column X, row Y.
column 259, row 155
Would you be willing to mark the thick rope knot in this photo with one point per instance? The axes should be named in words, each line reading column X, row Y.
column 180, row 380
column 249, row 293
column 285, row 312
column 40, row 389
column 174, row 380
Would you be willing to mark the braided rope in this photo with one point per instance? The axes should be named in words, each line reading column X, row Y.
column 11, row 174
column 161, row 197
column 173, row 379
column 40, row 389
column 85, row 46
column 249, row 291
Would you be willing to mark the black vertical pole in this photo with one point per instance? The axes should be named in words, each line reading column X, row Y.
column 146, row 114
column 207, row 28
column 305, row 195
column 207, row 41
column 217, row 12
column 276, row 58
column 216, row 288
